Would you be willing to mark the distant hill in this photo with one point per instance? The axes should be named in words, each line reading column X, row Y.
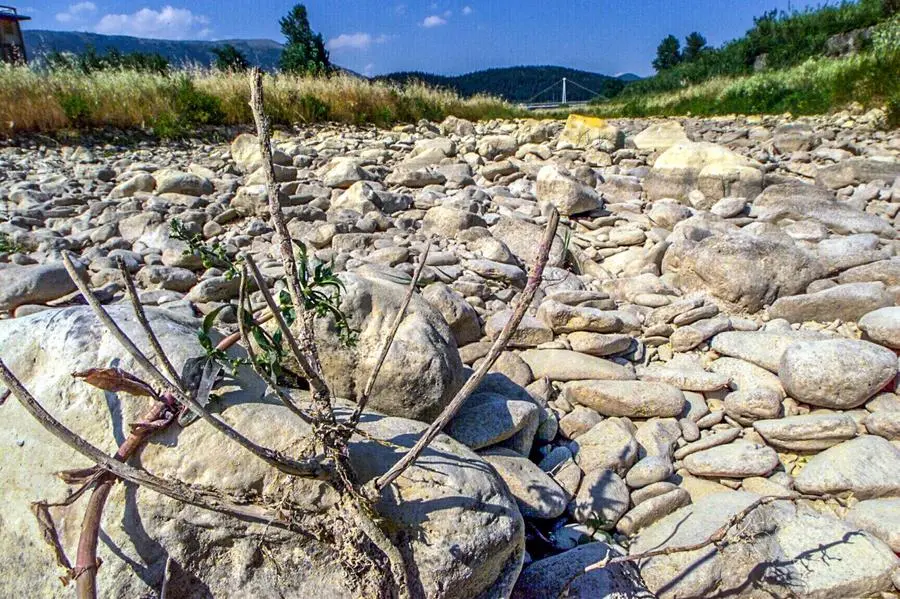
column 38, row 42
column 628, row 77
column 522, row 84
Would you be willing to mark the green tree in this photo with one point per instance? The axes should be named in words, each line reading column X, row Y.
column 668, row 54
column 229, row 58
column 304, row 51
column 694, row 46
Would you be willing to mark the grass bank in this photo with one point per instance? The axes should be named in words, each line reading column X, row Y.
column 817, row 86
column 172, row 104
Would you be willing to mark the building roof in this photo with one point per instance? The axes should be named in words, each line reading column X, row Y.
column 8, row 13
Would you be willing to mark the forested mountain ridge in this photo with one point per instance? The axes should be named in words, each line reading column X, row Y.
column 524, row 83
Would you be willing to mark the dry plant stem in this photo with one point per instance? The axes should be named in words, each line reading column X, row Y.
column 170, row 488
column 273, row 384
column 271, row 457
column 386, row 346
column 534, row 281
column 384, row 544
column 142, row 318
column 226, row 342
column 307, row 340
column 86, row 557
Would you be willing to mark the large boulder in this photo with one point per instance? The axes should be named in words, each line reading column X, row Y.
column 848, row 302
column 424, row 346
column 174, row 181
column 246, row 155
column 522, row 239
column 715, row 170
column 584, row 131
column 742, row 271
column 867, row 466
column 552, row 576
column 33, row 284
column 836, row 373
column 661, row 136
column 797, row 201
column 462, row 534
column 775, row 549
column 857, row 170
column 568, row 194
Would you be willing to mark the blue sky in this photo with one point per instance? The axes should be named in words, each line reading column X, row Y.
column 440, row 36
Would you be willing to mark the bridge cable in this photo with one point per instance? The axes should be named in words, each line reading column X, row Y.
column 546, row 89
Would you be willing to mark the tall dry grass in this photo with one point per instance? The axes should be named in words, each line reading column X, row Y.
column 33, row 100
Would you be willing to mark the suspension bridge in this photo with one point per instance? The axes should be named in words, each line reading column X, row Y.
column 550, row 96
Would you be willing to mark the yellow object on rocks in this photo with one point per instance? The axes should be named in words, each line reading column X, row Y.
column 582, row 131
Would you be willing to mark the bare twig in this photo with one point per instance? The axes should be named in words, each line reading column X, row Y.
column 174, row 377
column 321, row 393
column 714, row 539
column 386, row 346
column 170, row 488
column 271, row 457
column 167, row 577
column 273, row 384
column 534, row 281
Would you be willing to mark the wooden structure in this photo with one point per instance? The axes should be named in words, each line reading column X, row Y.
column 12, row 45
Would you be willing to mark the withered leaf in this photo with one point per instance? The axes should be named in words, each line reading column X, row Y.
column 115, row 380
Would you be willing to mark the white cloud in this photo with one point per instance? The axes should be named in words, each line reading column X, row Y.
column 354, row 41
column 167, row 23
column 369, row 69
column 434, row 21
column 467, row 10
column 76, row 12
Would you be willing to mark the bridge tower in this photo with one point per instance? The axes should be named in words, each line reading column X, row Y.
column 564, row 90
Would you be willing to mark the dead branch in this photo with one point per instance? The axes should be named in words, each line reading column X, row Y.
column 271, row 457
column 534, row 281
column 171, row 488
column 273, row 384
column 145, row 324
column 386, row 346
column 321, row 393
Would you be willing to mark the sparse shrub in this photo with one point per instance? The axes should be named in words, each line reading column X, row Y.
column 75, row 107
column 194, row 106
column 312, row 109
column 893, row 111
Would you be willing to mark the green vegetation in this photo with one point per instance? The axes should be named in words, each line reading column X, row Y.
column 90, row 61
column 668, row 54
column 229, row 58
column 814, row 87
column 9, row 246
column 797, row 77
column 784, row 39
column 319, row 286
column 304, row 53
